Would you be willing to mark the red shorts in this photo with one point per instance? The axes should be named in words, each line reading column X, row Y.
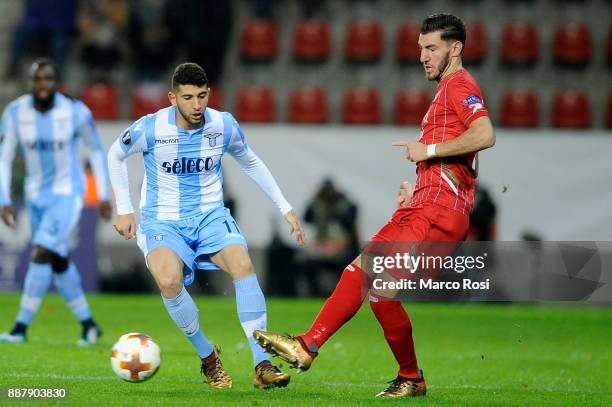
column 430, row 230
column 427, row 223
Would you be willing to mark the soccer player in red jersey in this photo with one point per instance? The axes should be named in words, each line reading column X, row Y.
column 455, row 127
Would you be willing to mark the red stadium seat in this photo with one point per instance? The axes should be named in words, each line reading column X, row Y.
column 308, row 105
column 364, row 41
column 520, row 108
column 609, row 112
column 103, row 100
column 259, row 41
column 147, row 99
column 361, row 106
column 571, row 109
column 573, row 45
column 256, row 104
column 406, row 46
column 312, row 40
column 411, row 105
column 476, row 44
column 215, row 100
column 520, row 44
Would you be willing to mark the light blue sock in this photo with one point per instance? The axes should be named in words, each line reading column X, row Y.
column 35, row 286
column 68, row 283
column 184, row 313
column 251, row 305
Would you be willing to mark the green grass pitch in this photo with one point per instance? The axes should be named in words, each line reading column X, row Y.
column 472, row 355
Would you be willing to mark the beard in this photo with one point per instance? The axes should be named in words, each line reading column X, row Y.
column 44, row 104
column 441, row 68
column 188, row 119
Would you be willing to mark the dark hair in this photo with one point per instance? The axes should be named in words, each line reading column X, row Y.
column 189, row 73
column 41, row 63
column 451, row 26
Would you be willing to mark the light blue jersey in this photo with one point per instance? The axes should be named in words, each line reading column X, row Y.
column 48, row 141
column 181, row 201
column 183, row 175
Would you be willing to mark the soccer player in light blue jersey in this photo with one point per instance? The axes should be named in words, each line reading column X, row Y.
column 47, row 126
column 184, row 224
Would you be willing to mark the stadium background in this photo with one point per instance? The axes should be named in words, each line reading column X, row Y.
column 322, row 88
column 549, row 176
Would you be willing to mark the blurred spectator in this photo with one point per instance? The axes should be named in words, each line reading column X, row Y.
column 482, row 218
column 101, row 27
column 47, row 28
column 336, row 240
column 150, row 38
column 204, row 28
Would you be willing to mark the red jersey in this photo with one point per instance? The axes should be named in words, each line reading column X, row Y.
column 449, row 181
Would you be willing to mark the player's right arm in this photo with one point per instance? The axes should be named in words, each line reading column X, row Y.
column 132, row 141
column 8, row 144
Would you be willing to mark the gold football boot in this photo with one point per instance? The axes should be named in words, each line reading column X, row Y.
column 402, row 387
column 268, row 376
column 286, row 347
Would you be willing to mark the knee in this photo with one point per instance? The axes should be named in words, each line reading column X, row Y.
column 170, row 286
column 169, row 282
column 242, row 268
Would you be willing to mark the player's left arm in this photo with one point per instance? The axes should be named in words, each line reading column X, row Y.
column 97, row 158
column 479, row 136
column 257, row 170
column 466, row 102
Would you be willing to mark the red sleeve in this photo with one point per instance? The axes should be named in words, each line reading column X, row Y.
column 466, row 101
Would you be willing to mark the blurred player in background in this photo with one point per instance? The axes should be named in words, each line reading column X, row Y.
column 184, row 225
column 455, row 127
column 47, row 125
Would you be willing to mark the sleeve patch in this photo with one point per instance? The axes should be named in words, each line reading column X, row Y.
column 473, row 102
column 126, row 138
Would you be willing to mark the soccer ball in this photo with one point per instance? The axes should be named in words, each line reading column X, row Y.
column 135, row 357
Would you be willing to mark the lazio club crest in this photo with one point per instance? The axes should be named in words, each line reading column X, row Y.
column 212, row 138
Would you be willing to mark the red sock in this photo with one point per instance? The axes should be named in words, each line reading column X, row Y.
column 398, row 333
column 344, row 302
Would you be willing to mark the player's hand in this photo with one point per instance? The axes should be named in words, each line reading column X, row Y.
column 404, row 195
column 8, row 216
column 296, row 227
column 125, row 225
column 106, row 210
column 415, row 151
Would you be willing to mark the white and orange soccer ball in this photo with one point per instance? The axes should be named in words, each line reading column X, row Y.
column 135, row 357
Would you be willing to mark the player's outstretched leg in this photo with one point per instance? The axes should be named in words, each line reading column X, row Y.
column 341, row 306
column 397, row 329
column 68, row 282
column 36, row 284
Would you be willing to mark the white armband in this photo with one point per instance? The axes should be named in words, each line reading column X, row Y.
column 431, row 150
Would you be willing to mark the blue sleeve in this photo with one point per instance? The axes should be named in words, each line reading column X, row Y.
column 139, row 137
column 234, row 141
